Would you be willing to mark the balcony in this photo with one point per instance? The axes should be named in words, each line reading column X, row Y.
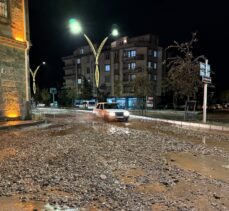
column 69, row 67
column 69, row 73
column 136, row 69
column 137, row 57
column 69, row 77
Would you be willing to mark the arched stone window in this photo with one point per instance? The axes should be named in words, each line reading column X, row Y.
column 3, row 8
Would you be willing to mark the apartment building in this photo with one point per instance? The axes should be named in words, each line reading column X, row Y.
column 14, row 74
column 120, row 62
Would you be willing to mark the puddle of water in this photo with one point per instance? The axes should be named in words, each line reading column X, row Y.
column 132, row 176
column 225, row 166
column 188, row 190
column 209, row 166
column 14, row 204
column 48, row 207
column 151, row 188
column 222, row 144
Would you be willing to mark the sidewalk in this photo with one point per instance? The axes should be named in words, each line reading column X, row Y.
column 221, row 117
column 215, row 121
column 18, row 124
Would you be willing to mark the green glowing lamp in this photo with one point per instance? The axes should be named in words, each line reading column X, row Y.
column 74, row 26
column 115, row 32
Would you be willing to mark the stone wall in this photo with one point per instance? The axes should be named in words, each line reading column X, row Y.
column 12, row 82
column 13, row 26
column 13, row 44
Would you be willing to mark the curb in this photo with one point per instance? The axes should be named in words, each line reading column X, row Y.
column 185, row 124
column 21, row 124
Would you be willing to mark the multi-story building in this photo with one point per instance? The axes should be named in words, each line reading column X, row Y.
column 14, row 36
column 120, row 63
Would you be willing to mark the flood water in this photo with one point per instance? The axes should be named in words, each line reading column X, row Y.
column 221, row 144
column 209, row 166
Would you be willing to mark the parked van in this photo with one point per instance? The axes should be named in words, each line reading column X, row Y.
column 87, row 104
column 90, row 105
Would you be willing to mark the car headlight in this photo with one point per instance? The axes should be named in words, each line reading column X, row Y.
column 126, row 113
column 112, row 114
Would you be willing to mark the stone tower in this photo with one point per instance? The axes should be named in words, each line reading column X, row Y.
column 14, row 69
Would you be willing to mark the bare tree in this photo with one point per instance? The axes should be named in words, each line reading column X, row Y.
column 183, row 77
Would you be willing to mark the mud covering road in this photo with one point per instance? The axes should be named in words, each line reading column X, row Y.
column 78, row 163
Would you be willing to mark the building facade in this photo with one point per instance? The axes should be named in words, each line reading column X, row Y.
column 120, row 63
column 14, row 37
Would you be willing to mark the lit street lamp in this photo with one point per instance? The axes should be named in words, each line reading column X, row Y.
column 34, row 76
column 76, row 28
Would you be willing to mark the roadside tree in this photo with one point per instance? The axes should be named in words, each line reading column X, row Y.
column 183, row 77
column 45, row 96
column 86, row 90
column 67, row 96
column 143, row 87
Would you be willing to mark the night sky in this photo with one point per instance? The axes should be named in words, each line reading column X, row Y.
column 170, row 20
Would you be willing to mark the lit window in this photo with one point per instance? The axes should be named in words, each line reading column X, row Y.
column 154, row 65
column 3, row 8
column 133, row 77
column 133, row 65
column 78, row 61
column 155, row 53
column 107, row 67
column 81, row 51
column 131, row 53
column 149, row 64
column 79, row 81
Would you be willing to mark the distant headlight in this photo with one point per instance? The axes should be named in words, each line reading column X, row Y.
column 126, row 113
column 111, row 113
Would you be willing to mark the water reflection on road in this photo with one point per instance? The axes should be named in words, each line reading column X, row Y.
column 221, row 144
column 209, row 166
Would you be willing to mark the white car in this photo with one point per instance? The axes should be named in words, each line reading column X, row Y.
column 110, row 111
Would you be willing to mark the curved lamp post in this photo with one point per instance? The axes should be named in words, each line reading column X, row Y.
column 34, row 76
column 76, row 28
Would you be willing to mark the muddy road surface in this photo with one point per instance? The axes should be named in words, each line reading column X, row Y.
column 78, row 163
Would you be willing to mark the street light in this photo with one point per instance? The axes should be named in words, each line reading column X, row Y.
column 75, row 28
column 34, row 76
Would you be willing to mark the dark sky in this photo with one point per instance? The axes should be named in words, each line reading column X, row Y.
column 170, row 20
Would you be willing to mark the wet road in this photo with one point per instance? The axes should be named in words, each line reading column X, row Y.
column 137, row 165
